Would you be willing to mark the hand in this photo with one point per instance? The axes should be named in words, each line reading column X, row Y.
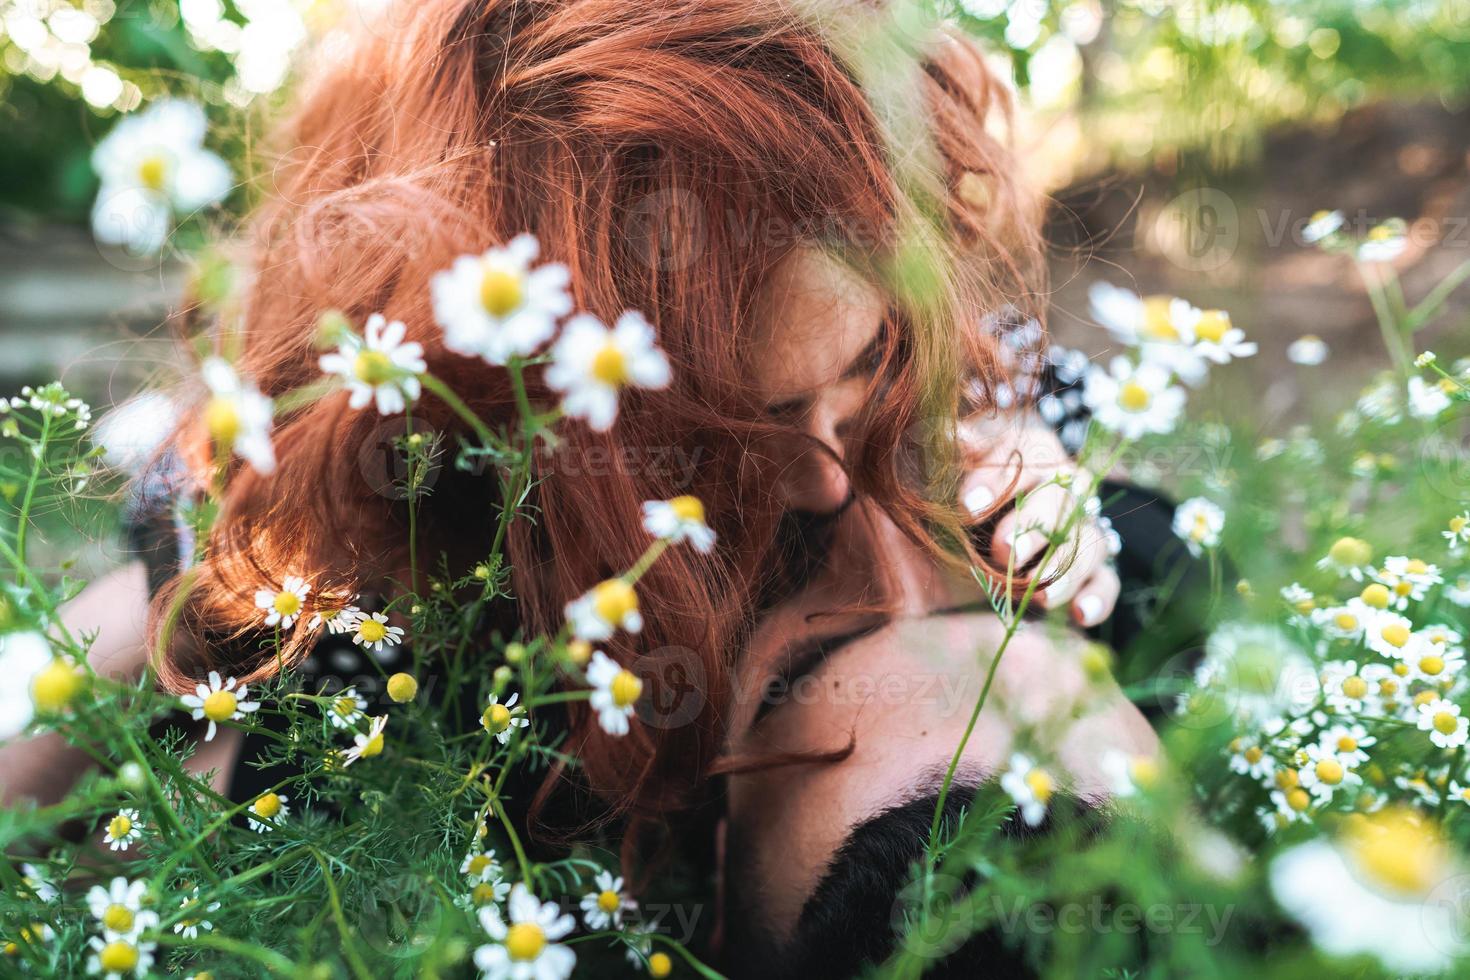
column 1022, row 448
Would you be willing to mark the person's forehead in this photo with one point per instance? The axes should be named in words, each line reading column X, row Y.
column 815, row 315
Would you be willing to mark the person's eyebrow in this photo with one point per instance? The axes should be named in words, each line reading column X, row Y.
column 803, row 656
column 863, row 364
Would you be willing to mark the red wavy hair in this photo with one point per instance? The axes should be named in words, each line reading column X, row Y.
column 670, row 152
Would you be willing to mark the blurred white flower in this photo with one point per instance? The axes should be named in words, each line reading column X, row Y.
column 1308, row 350
column 1199, row 522
column 679, row 519
column 1133, row 401
column 23, row 657
column 615, row 692
column 1384, row 242
column 1322, row 225
column 238, row 416
column 379, row 367
column 153, row 165
column 132, row 431
column 1161, row 328
column 592, row 365
column 1029, row 786
column 496, row 305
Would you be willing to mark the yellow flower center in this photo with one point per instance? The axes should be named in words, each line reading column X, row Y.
column 345, row 706
column 1403, row 587
column 372, row 631
column 1402, row 669
column 1398, row 850
column 1212, row 325
column 1457, row 524
column 119, row 826
column 1388, row 687
column 1144, row 772
column 1254, row 754
column 687, row 508
column 286, row 603
column 1040, row 783
column 1381, row 233
column 54, row 686
column 1346, row 621
column 1286, row 778
column 524, row 941
column 483, row 893
column 118, row 918
column 625, row 688
column 660, row 966
column 1376, row 596
column 496, row 719
column 373, row 746
column 372, row 367
column 1414, row 566
column 1354, row 686
column 1431, row 665
column 118, row 957
column 1425, row 697
column 1445, row 722
column 153, row 172
column 610, row 367
column 1350, row 551
column 1158, row 324
column 1304, row 606
column 614, row 600
column 402, row 687
column 579, row 652
column 1298, row 800
column 479, row 863
column 1330, row 772
column 266, row 807
column 1346, row 743
column 1134, row 397
column 609, row 901
column 222, row 418
column 1395, row 634
column 502, row 291
column 220, row 706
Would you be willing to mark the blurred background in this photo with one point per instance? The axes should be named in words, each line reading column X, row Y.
column 1185, row 145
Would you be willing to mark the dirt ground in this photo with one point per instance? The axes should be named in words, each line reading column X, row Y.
column 1239, row 247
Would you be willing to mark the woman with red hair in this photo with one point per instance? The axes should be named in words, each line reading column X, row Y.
column 811, row 212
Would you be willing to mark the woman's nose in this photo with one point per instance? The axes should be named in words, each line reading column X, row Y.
column 814, row 479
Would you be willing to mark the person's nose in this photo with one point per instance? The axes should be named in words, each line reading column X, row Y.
column 814, row 478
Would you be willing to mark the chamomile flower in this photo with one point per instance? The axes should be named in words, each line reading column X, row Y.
column 639, row 939
column 480, row 866
column 1030, row 786
column 337, row 621
column 37, row 885
column 1345, row 688
column 609, row 606
column 239, row 418
column 1407, row 579
column 525, row 947
column 1127, row 774
column 373, row 632
column 118, row 908
column 1459, row 792
column 1376, row 890
column 151, row 166
column 1388, row 634
column 219, row 701
column 379, row 367
column 1291, row 804
column 500, row 305
column 1308, row 350
column 1321, row 226
column 1258, row 672
column 1427, row 399
column 615, row 691
column 1458, row 591
column 501, row 720
column 1384, row 242
column 1458, row 532
column 268, row 812
column 1430, row 662
column 123, row 830
column 1161, row 328
column 1300, row 599
column 366, row 745
column 1250, row 759
column 1441, row 634
column 1345, row 622
column 1133, row 400
column 1348, row 556
column 346, row 708
column 591, row 365
column 1323, row 773
column 604, row 908
column 677, row 520
column 1215, row 339
column 117, row 959
column 1198, row 522
column 283, row 606
column 491, row 892
column 194, row 921
column 1441, row 719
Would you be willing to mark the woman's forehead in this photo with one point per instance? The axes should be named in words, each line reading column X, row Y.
column 814, row 317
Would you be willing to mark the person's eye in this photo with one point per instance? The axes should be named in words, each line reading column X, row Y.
column 789, row 412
